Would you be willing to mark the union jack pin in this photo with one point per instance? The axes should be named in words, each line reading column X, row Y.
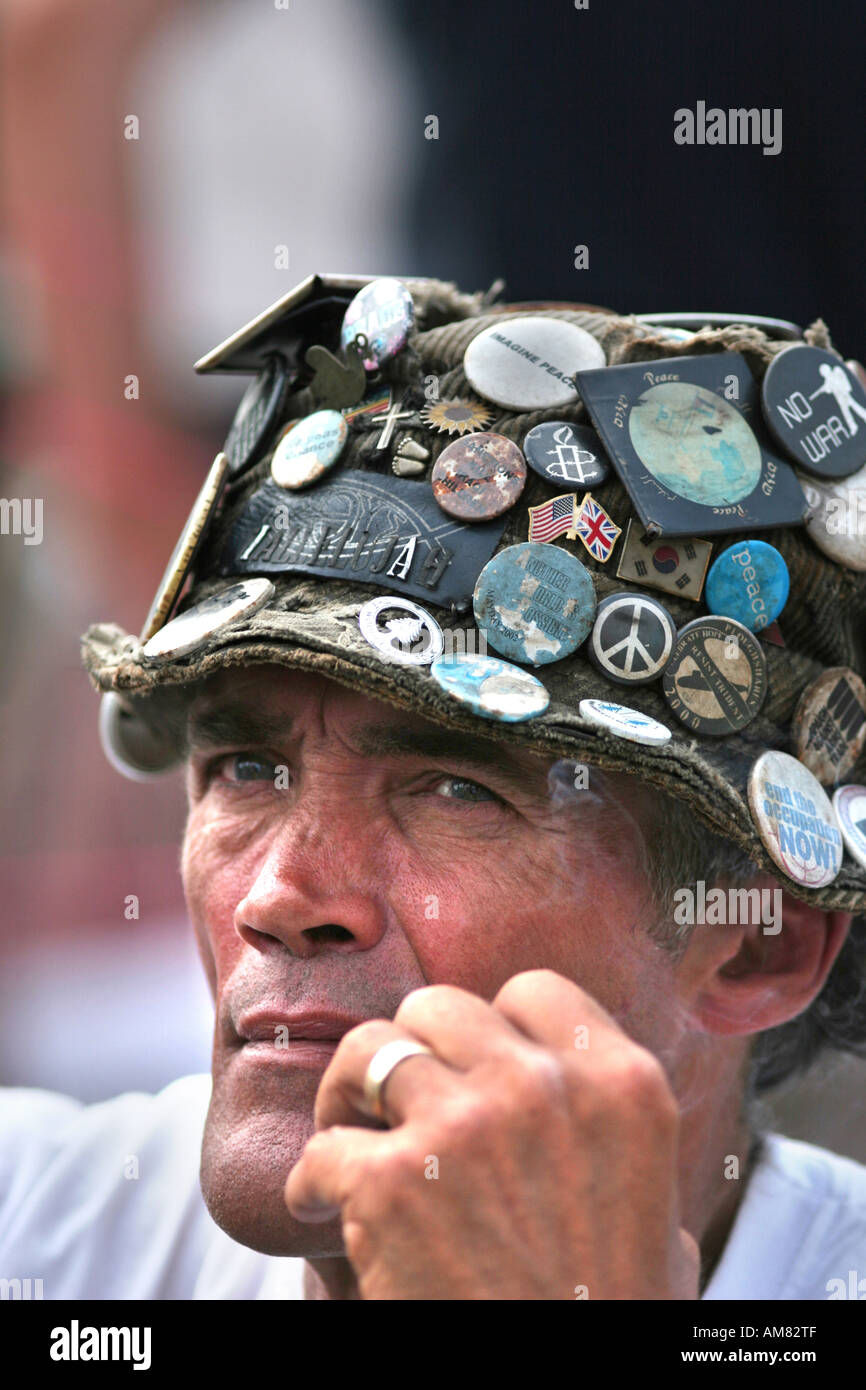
column 595, row 528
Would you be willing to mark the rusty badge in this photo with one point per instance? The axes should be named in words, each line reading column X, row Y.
column 479, row 477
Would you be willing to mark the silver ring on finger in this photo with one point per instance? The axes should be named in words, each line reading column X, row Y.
column 383, row 1062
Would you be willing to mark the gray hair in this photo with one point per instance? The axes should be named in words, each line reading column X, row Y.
column 836, row 1019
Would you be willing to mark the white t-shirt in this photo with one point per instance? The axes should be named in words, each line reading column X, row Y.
column 74, row 1214
column 70, row 1215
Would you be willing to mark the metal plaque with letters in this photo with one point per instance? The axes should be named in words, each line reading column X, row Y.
column 366, row 529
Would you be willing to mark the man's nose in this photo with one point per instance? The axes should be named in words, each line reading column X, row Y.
column 321, row 884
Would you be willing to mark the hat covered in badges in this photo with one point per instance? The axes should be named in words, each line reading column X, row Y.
column 635, row 541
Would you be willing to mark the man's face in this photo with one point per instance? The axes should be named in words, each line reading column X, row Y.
column 339, row 854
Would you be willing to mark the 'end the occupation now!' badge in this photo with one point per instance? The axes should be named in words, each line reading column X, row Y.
column 687, row 438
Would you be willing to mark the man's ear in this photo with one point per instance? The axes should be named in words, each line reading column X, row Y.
column 746, row 977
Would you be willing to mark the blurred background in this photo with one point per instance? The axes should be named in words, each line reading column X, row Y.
column 295, row 134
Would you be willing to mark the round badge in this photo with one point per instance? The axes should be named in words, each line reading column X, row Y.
column 530, row 363
column 309, row 448
column 716, row 678
column 695, row 443
column 130, row 745
column 566, row 454
column 478, row 477
column 184, row 552
column 384, row 313
column 626, row 723
column 494, row 689
column 257, row 414
column 829, row 724
column 401, row 631
column 632, row 638
column 836, row 520
column 192, row 628
column 815, row 408
column 849, row 803
column 534, row 602
column 795, row 820
column 748, row 581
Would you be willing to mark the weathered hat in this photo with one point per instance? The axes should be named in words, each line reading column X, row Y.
column 544, row 523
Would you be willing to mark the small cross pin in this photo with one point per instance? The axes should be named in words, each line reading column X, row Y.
column 394, row 414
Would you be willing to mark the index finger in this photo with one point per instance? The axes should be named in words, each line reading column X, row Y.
column 550, row 1009
column 462, row 1028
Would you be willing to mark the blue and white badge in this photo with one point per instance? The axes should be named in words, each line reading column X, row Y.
column 694, row 463
column 748, row 582
column 795, row 819
column 534, row 602
column 624, row 722
column 308, row 449
column 489, row 687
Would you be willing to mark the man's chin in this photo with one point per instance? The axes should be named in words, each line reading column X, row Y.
column 247, row 1155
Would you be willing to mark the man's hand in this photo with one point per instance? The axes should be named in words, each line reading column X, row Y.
column 534, row 1156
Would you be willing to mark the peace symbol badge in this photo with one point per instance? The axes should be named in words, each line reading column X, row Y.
column 632, row 638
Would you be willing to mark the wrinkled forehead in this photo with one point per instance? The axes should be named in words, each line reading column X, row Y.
column 271, row 706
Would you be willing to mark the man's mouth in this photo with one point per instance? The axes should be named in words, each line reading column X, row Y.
column 293, row 1036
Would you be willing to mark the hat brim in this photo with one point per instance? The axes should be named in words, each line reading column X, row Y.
column 296, row 630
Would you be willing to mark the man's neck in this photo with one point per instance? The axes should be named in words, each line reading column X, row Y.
column 717, row 1151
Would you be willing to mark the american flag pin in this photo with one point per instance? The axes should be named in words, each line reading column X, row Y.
column 553, row 518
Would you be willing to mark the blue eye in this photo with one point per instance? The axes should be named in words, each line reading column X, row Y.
column 461, row 789
column 245, row 767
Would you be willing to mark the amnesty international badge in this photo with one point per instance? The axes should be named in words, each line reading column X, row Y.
column 674, row 566
column 687, row 437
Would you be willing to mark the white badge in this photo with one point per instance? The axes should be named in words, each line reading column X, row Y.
column 624, row 722
column 836, row 520
column 309, row 448
column 401, row 631
column 130, row 745
column 191, row 629
column 529, row 363
column 795, row 819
